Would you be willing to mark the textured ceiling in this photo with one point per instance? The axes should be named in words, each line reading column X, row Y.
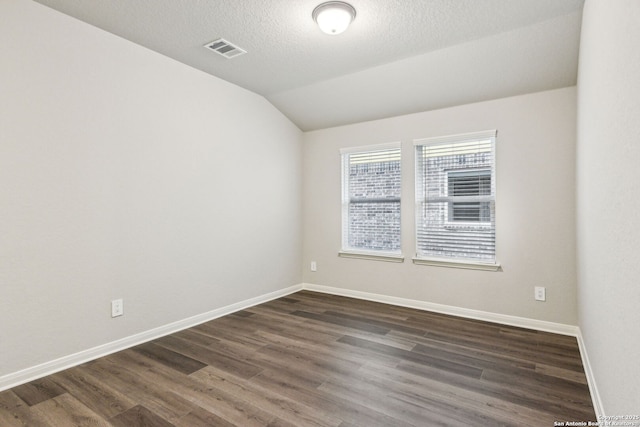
column 398, row 56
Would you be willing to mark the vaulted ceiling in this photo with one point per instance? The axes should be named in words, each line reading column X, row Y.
column 398, row 56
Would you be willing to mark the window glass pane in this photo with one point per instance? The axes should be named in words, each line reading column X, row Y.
column 371, row 200
column 375, row 226
column 465, row 211
column 455, row 198
column 469, row 183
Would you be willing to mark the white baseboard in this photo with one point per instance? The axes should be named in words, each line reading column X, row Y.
column 29, row 374
column 522, row 322
column 591, row 380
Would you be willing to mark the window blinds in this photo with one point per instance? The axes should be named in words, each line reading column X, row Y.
column 371, row 199
column 455, row 197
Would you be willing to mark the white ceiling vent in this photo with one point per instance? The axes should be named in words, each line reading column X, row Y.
column 224, row 48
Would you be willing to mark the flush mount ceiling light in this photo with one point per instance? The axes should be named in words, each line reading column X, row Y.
column 334, row 17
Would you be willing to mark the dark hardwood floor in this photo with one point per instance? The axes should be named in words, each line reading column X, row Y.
column 311, row 359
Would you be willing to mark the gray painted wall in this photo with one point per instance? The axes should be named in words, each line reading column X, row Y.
column 535, row 209
column 128, row 175
column 608, row 151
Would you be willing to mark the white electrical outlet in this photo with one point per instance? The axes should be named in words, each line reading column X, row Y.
column 117, row 308
column 540, row 293
column 314, row 266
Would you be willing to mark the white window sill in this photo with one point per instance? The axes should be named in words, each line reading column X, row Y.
column 469, row 265
column 373, row 256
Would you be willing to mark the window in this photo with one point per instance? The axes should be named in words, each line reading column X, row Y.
column 469, row 183
column 371, row 188
column 455, row 199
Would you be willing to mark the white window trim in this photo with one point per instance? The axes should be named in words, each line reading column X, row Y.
column 364, row 254
column 372, row 256
column 471, row 136
column 452, row 262
column 464, row 264
column 375, row 147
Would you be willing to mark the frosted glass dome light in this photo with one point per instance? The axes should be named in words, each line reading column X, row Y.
column 334, row 17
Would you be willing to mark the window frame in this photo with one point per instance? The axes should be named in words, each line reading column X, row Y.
column 347, row 251
column 422, row 197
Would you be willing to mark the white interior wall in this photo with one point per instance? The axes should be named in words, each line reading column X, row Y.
column 535, row 209
column 128, row 175
column 608, row 190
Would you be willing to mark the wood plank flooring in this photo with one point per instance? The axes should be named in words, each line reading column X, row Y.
column 311, row 359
